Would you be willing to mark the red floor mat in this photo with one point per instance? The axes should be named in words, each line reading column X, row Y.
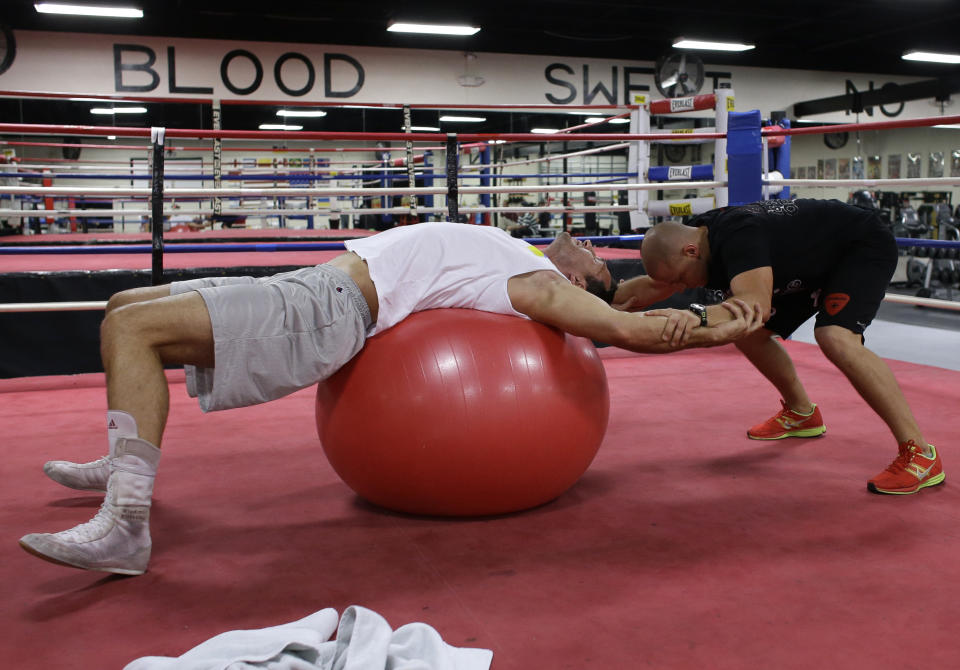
column 685, row 545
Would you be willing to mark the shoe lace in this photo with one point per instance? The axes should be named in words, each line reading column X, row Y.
column 787, row 418
column 102, row 462
column 907, row 450
column 92, row 529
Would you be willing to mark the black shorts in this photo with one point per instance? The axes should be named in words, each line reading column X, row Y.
column 850, row 295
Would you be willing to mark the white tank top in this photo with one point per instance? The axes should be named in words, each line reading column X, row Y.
column 433, row 265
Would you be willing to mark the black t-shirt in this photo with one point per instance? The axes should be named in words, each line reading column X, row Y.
column 802, row 240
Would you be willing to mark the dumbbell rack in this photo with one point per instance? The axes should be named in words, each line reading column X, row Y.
column 943, row 267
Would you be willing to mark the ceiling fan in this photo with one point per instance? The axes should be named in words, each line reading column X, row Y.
column 678, row 75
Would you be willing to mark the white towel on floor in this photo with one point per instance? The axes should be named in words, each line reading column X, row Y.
column 364, row 641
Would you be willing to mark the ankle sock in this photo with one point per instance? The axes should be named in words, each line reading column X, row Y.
column 120, row 424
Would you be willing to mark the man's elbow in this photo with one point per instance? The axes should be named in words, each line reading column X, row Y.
column 752, row 300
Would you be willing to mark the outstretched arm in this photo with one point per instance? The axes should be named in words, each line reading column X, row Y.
column 546, row 297
column 755, row 287
column 638, row 292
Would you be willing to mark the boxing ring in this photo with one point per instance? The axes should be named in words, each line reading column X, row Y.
column 297, row 206
column 683, row 546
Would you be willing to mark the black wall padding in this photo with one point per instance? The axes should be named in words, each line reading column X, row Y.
column 58, row 343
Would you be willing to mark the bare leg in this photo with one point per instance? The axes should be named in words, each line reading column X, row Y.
column 93, row 476
column 873, row 380
column 132, row 295
column 142, row 330
column 138, row 338
column 766, row 353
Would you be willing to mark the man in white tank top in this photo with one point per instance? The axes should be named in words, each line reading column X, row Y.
column 247, row 340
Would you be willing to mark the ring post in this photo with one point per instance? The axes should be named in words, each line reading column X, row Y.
column 217, row 162
column 427, row 174
column 411, row 175
column 453, row 152
column 156, row 204
column 744, row 157
column 638, row 163
column 782, row 162
column 485, row 181
column 724, row 106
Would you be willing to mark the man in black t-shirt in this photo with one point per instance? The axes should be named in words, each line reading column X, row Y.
column 798, row 258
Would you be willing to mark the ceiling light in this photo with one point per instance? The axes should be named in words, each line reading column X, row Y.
column 89, row 10
column 278, row 126
column 111, row 137
column 118, row 110
column 497, row 142
column 544, row 131
column 684, row 43
column 424, row 129
column 948, row 125
column 585, row 113
column 299, row 112
column 463, row 119
column 432, row 29
column 930, row 57
column 618, row 121
column 594, row 119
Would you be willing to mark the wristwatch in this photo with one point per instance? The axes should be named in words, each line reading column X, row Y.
column 700, row 311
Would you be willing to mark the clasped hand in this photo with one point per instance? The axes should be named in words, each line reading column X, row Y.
column 680, row 322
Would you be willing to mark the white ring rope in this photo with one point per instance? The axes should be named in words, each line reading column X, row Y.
column 306, row 192
column 952, row 305
column 32, row 165
column 351, row 194
column 344, row 191
column 294, row 173
column 52, row 306
column 99, row 305
column 330, row 210
column 863, row 183
column 547, row 159
column 318, row 169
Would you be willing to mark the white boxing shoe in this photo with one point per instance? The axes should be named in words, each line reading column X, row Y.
column 117, row 539
column 90, row 476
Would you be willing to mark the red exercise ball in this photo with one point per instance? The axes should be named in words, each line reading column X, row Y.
column 458, row 412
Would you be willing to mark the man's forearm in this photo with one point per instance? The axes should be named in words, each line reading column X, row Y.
column 641, row 292
column 697, row 338
column 717, row 314
column 546, row 297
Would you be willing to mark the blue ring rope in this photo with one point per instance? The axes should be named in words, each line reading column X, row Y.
column 306, row 177
column 183, row 248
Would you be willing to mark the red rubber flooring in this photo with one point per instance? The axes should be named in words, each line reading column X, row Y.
column 684, row 545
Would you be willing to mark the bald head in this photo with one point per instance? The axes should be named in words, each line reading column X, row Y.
column 664, row 242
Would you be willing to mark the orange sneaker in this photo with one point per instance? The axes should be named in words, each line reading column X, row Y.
column 789, row 424
column 909, row 472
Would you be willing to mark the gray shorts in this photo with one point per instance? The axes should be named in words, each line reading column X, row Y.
column 275, row 335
